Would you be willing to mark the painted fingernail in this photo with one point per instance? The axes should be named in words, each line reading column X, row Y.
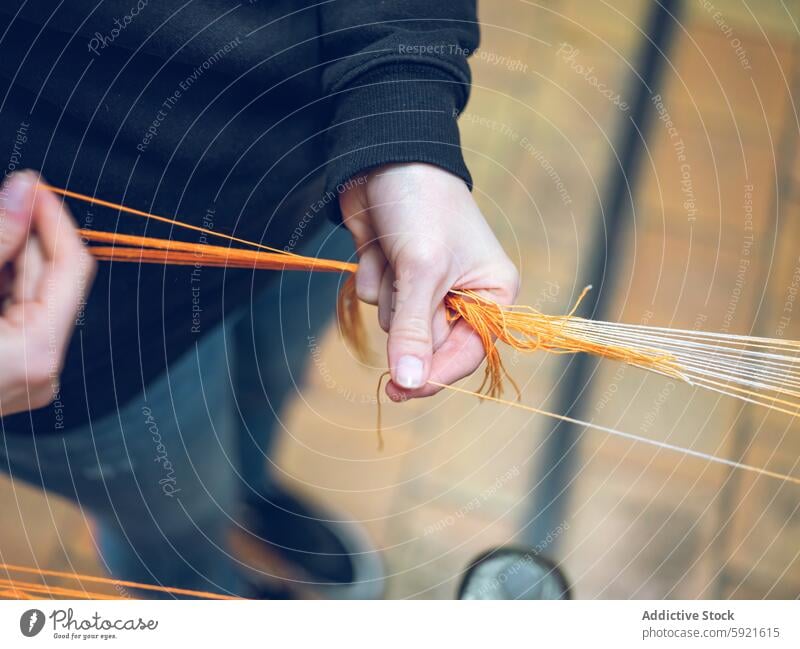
column 409, row 372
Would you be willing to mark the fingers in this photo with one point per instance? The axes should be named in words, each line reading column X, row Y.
column 28, row 269
column 371, row 266
column 462, row 351
column 68, row 266
column 433, row 238
column 459, row 356
column 371, row 260
column 15, row 213
column 418, row 290
column 386, row 299
column 441, row 327
column 52, row 271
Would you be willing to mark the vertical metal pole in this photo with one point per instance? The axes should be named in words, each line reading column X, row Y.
column 560, row 451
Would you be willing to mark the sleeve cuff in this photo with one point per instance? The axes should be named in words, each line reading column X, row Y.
column 396, row 113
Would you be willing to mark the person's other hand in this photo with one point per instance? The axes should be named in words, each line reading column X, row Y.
column 45, row 270
column 420, row 234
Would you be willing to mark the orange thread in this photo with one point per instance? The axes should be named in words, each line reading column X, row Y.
column 27, row 586
column 379, row 409
column 522, row 328
column 155, row 217
column 519, row 327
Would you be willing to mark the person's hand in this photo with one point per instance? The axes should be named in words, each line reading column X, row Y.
column 420, row 234
column 45, row 270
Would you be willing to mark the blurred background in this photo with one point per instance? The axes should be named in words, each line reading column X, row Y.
column 652, row 151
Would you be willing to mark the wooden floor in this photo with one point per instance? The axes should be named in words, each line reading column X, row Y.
column 456, row 476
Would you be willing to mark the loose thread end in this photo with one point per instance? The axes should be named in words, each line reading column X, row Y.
column 379, row 422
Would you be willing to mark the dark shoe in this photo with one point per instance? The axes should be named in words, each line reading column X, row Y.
column 290, row 546
column 513, row 573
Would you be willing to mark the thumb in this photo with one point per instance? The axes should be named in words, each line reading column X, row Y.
column 410, row 343
column 15, row 213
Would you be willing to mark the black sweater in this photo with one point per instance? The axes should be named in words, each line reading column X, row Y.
column 236, row 116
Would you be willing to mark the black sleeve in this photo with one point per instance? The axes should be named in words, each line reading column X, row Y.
column 398, row 77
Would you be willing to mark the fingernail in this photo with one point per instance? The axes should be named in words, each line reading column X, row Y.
column 409, row 372
column 17, row 189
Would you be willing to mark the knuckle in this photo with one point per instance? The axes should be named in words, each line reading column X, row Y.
column 411, row 330
column 423, row 257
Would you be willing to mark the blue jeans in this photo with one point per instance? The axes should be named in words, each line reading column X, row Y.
column 162, row 477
